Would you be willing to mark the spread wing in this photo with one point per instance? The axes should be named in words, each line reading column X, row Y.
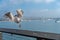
column 19, row 13
column 9, row 16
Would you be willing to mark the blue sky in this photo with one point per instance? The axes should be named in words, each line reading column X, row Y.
column 32, row 8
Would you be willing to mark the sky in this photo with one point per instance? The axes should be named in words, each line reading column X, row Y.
column 31, row 8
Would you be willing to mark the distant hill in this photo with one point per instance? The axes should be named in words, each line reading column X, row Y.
column 31, row 18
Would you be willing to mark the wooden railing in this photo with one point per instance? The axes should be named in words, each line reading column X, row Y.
column 34, row 34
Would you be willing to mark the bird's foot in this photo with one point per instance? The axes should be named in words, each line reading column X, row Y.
column 20, row 26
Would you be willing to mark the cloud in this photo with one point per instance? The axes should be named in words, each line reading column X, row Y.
column 44, row 10
column 34, row 1
column 45, row 13
column 16, row 1
column 39, row 10
column 40, row 1
column 49, row 1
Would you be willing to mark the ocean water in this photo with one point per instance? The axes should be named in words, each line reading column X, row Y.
column 34, row 25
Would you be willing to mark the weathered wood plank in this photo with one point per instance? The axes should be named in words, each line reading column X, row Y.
column 29, row 33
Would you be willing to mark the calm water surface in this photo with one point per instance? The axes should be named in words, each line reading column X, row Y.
column 34, row 25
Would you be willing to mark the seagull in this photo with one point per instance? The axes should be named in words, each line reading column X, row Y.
column 16, row 18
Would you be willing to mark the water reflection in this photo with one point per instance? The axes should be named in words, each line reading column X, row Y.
column 7, row 36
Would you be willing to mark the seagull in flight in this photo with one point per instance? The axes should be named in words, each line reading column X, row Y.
column 16, row 18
